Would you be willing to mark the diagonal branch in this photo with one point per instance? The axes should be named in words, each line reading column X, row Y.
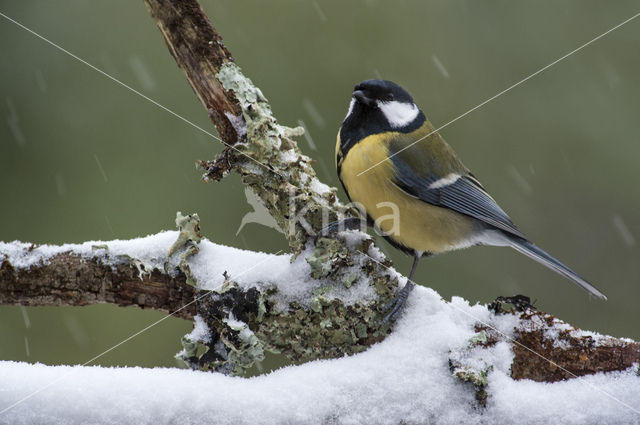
column 200, row 53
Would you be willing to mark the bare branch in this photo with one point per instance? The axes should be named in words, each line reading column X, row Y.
column 572, row 352
column 199, row 51
column 72, row 280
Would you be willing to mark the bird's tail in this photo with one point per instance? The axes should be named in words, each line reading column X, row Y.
column 532, row 251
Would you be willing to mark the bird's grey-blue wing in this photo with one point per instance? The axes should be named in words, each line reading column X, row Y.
column 463, row 194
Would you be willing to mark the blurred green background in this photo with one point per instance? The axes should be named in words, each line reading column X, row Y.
column 82, row 158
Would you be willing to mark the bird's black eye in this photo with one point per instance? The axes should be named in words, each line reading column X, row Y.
column 390, row 96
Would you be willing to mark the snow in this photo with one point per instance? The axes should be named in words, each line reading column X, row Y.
column 142, row 73
column 375, row 253
column 623, row 230
column 304, row 177
column 313, row 112
column 440, row 66
column 307, row 135
column 353, row 238
column 406, row 377
column 557, row 328
column 237, row 121
column 200, row 330
column 256, row 269
column 150, row 250
column 319, row 187
column 289, row 156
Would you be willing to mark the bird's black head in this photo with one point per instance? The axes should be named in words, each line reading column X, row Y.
column 378, row 106
column 380, row 90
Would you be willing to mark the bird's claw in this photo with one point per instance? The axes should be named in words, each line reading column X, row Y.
column 396, row 305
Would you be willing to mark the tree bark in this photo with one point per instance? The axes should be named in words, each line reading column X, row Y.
column 199, row 51
column 71, row 280
column 568, row 354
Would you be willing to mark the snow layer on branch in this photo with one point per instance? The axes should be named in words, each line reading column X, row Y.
column 151, row 250
column 257, row 269
column 404, row 378
column 246, row 268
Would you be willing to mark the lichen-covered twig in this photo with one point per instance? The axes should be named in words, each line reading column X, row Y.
column 271, row 164
column 262, row 151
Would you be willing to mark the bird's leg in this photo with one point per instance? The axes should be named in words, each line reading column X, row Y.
column 349, row 223
column 396, row 305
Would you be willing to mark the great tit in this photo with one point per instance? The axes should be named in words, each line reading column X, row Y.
column 420, row 195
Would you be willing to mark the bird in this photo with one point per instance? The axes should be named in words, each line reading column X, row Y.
column 413, row 189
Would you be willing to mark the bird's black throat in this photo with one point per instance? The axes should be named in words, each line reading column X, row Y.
column 364, row 121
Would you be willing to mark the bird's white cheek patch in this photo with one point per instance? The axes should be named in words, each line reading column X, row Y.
column 353, row 102
column 399, row 114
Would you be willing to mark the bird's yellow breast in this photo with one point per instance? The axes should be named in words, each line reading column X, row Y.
column 405, row 219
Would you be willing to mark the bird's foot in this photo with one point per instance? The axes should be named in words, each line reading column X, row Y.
column 349, row 223
column 396, row 305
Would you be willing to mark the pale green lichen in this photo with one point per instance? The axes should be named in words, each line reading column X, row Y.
column 479, row 338
column 328, row 257
column 284, row 185
column 187, row 245
column 327, row 330
column 467, row 367
column 226, row 286
column 244, row 323
column 262, row 306
column 189, row 228
column 192, row 349
column 244, row 348
column 477, row 378
column 187, row 242
column 266, row 139
column 319, row 299
column 348, row 282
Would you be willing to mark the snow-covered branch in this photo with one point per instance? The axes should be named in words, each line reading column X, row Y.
column 248, row 302
column 125, row 273
column 443, row 361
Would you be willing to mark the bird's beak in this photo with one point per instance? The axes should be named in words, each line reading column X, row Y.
column 362, row 98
